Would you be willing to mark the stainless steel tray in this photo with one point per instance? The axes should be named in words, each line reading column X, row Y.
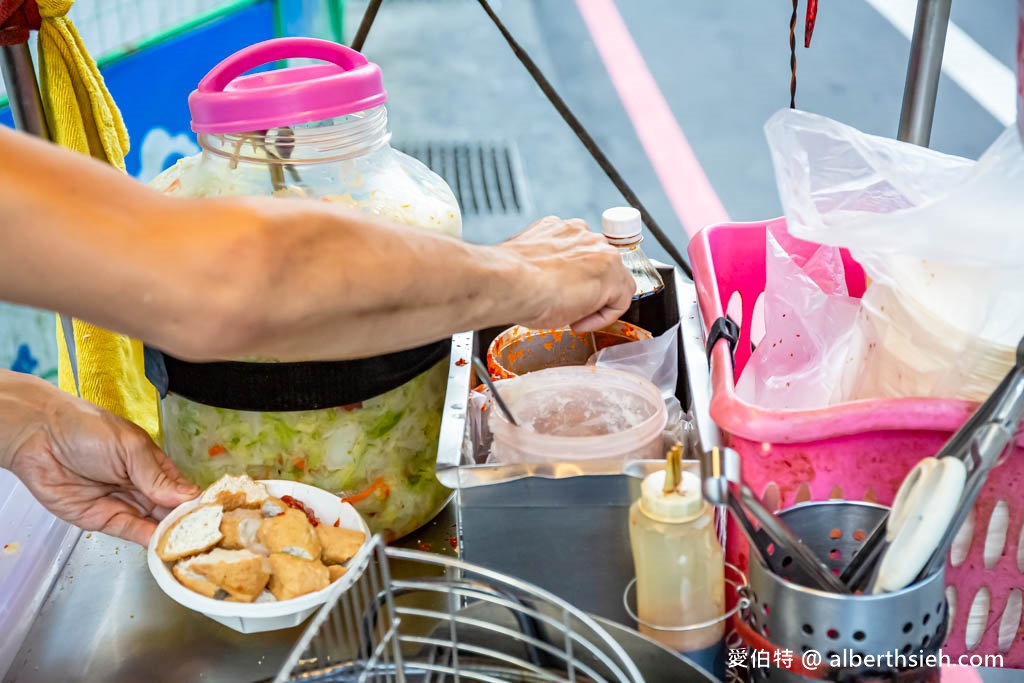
column 460, row 465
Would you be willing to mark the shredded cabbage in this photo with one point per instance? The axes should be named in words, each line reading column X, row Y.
column 391, row 438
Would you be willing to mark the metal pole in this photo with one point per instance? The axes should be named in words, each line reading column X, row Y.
column 923, row 71
column 22, row 89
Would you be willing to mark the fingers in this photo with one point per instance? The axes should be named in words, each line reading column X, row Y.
column 155, row 476
column 597, row 321
column 117, row 515
column 130, row 527
column 581, row 279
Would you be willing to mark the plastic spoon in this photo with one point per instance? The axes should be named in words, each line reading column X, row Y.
column 978, row 443
column 919, row 540
column 919, row 518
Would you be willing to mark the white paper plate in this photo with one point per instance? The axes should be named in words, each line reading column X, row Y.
column 264, row 616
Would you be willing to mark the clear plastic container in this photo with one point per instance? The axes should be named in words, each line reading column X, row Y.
column 315, row 132
column 578, row 413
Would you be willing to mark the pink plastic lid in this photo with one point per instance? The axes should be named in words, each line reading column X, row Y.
column 228, row 102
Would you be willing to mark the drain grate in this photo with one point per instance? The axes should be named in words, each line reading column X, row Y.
column 486, row 177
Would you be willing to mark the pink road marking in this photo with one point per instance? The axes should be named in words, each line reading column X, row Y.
column 689, row 191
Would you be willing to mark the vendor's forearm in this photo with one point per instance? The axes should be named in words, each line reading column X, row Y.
column 308, row 285
column 213, row 278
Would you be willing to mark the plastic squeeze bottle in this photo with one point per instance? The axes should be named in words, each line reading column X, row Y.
column 680, row 570
column 623, row 228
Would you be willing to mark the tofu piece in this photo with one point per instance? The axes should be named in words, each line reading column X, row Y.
column 290, row 533
column 188, row 578
column 234, row 492
column 292, row 576
column 338, row 545
column 239, row 528
column 335, row 572
column 194, row 533
column 272, row 507
column 242, row 574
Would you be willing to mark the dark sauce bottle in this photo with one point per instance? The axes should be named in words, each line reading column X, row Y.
column 622, row 228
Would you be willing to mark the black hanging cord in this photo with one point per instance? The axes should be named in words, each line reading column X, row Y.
column 563, row 109
column 365, row 24
column 792, row 55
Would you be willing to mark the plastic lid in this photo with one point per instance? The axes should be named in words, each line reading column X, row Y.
column 681, row 505
column 621, row 222
column 228, row 102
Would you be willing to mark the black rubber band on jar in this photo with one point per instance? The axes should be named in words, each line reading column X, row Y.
column 285, row 387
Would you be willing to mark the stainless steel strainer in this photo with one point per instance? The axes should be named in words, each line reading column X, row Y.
column 454, row 622
column 907, row 624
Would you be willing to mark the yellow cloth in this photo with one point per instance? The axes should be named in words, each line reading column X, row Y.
column 82, row 116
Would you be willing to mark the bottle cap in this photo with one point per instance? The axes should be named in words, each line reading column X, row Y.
column 681, row 505
column 621, row 222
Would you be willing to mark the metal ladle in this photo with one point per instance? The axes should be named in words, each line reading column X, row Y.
column 485, row 375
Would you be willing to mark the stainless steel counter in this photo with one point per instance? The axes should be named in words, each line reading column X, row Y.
column 107, row 620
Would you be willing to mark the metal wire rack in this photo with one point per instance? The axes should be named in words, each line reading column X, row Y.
column 453, row 622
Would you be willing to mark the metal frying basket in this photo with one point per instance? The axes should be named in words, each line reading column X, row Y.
column 455, row 622
column 901, row 625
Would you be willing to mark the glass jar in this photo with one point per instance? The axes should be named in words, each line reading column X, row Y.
column 315, row 132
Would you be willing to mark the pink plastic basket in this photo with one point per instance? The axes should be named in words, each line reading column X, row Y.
column 860, row 450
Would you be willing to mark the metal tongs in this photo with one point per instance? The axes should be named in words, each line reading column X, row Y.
column 723, row 485
column 912, row 542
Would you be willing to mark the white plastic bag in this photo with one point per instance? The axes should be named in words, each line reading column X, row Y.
column 656, row 360
column 939, row 237
column 809, row 317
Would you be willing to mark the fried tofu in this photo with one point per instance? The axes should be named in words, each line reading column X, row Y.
column 234, row 492
column 272, row 507
column 290, row 533
column 242, row 574
column 241, row 544
column 194, row 533
column 184, row 573
column 239, row 528
column 338, row 545
column 293, row 576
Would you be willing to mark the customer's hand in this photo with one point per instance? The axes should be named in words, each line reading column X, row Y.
column 583, row 280
column 85, row 465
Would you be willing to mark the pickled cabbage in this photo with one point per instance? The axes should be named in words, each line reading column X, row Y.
column 387, row 184
column 380, row 453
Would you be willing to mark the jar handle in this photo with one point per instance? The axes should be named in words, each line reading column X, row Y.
column 276, row 49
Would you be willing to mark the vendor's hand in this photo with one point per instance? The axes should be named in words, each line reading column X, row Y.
column 583, row 282
column 85, row 465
